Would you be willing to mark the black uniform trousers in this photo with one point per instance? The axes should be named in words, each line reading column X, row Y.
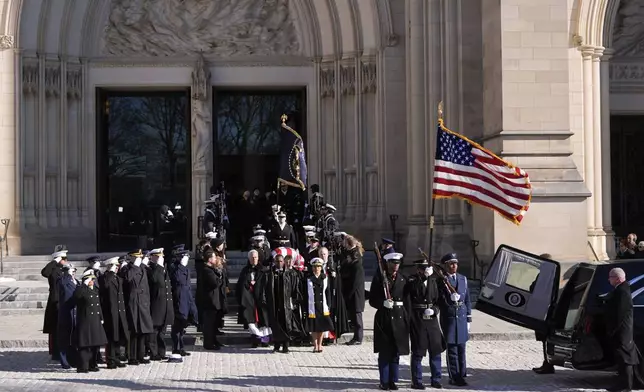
column 388, row 367
column 157, row 341
column 211, row 320
column 358, row 326
column 137, row 346
column 87, row 358
column 177, row 333
column 456, row 365
column 53, row 346
column 417, row 368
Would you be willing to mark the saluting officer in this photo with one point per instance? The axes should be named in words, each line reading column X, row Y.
column 421, row 299
column 137, row 292
column 90, row 335
column 455, row 319
column 111, row 290
column 161, row 306
column 391, row 328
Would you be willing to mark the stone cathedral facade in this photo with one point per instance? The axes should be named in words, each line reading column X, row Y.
column 545, row 84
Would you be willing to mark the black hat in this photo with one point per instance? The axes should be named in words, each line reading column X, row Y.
column 93, row 259
column 315, row 188
column 217, row 242
column 422, row 262
column 388, row 241
column 449, row 258
column 178, row 249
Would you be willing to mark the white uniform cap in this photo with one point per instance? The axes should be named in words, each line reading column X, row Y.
column 308, row 228
column 211, row 235
column 330, row 207
column 112, row 261
column 156, row 252
column 212, row 199
column 259, row 231
column 88, row 273
column 393, row 256
column 60, row 253
column 310, row 234
column 258, row 238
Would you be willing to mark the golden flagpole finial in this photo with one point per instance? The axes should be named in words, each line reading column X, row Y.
column 284, row 118
column 440, row 111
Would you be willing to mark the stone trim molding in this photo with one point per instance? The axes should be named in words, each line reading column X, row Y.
column 6, row 42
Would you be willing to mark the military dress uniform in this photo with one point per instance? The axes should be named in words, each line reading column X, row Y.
column 137, row 292
column 114, row 313
column 456, row 314
column 89, row 333
column 161, row 305
column 52, row 272
column 421, row 299
column 185, row 310
column 391, row 327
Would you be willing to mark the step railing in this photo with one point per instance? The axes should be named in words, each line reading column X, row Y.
column 4, row 244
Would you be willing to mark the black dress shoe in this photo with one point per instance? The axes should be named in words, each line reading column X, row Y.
column 100, row 360
column 133, row 362
column 184, row 353
column 121, row 364
column 461, row 383
column 82, row 371
column 383, row 387
column 436, row 384
column 285, row 350
column 419, row 386
column 144, row 361
column 163, row 357
column 353, row 342
column 393, row 386
column 219, row 333
column 112, row 366
column 93, row 369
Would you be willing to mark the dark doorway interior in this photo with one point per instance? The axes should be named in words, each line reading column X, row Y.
column 627, row 170
column 143, row 156
column 246, row 150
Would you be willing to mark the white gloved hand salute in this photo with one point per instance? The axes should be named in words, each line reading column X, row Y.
column 137, row 262
column 97, row 265
column 429, row 271
column 455, row 297
column 388, row 303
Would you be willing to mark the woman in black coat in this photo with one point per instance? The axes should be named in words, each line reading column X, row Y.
column 90, row 335
column 353, row 286
column 66, row 316
column 200, row 263
column 214, row 285
column 318, row 304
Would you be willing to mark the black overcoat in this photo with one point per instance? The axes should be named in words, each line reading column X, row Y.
column 352, row 275
column 214, row 285
column 422, row 293
column 245, row 294
column 184, row 304
column 52, row 271
column 161, row 306
column 89, row 318
column 281, row 292
column 619, row 324
column 137, row 293
column 112, row 297
column 66, row 311
column 391, row 326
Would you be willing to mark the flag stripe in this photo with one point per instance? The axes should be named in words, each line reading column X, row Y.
column 484, row 175
column 474, row 199
column 454, row 179
column 498, row 168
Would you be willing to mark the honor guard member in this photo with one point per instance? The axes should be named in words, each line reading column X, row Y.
column 161, row 307
column 263, row 251
column 391, row 328
column 115, row 323
column 89, row 332
column 282, row 234
column 455, row 319
column 185, row 310
column 94, row 263
column 421, row 299
column 52, row 272
column 387, row 246
column 327, row 225
column 210, row 216
column 67, row 317
column 137, row 293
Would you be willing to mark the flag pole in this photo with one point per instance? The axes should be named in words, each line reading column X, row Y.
column 433, row 206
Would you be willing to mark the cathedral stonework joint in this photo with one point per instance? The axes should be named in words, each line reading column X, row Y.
column 327, row 82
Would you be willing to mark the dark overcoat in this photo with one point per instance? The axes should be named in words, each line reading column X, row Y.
column 138, row 300
column 282, row 294
column 52, row 271
column 352, row 275
column 66, row 310
column 455, row 316
column 214, row 285
column 162, row 308
column 422, row 293
column 184, row 304
column 113, row 304
column 89, row 322
column 391, row 326
column 619, row 324
column 245, row 294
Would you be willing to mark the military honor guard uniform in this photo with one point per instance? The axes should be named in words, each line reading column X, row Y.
column 89, row 333
column 161, row 306
column 185, row 310
column 387, row 246
column 117, row 330
column 455, row 319
column 391, row 327
column 52, row 272
column 137, row 293
column 282, row 234
column 67, row 317
column 421, row 299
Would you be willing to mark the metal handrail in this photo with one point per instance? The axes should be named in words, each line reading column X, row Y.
column 3, row 241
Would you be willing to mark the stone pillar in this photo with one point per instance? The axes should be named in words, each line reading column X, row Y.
column 589, row 165
column 607, row 205
column 417, row 127
column 9, row 154
column 600, row 235
column 526, row 66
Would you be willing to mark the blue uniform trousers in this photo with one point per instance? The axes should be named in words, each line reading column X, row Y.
column 417, row 368
column 388, row 367
column 456, row 366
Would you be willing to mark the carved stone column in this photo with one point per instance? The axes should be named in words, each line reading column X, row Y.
column 201, row 140
column 607, row 217
column 597, row 156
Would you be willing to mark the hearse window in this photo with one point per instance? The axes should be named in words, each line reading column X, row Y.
column 570, row 301
column 522, row 276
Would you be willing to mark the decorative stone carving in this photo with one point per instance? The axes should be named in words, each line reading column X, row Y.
column 628, row 38
column 369, row 81
column 29, row 78
column 74, row 83
column 327, row 82
column 187, row 27
column 201, row 114
column 627, row 72
column 52, row 81
column 6, row 42
column 348, row 80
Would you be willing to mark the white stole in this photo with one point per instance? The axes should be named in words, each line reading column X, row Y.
column 311, row 295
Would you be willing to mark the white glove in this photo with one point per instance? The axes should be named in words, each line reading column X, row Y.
column 146, row 260
column 429, row 312
column 455, row 297
column 58, row 259
column 160, row 261
column 123, row 264
column 70, row 271
column 86, row 281
column 102, row 322
column 388, row 303
column 333, row 274
column 468, row 326
column 96, row 265
column 429, row 271
column 113, row 268
column 137, row 262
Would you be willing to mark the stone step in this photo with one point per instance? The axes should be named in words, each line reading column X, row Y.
column 21, row 312
column 23, row 304
column 23, row 297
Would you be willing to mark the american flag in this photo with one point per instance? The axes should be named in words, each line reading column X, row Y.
column 298, row 260
column 466, row 170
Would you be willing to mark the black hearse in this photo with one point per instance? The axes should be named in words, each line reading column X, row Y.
column 523, row 289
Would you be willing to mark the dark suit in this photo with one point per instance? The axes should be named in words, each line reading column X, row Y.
column 619, row 327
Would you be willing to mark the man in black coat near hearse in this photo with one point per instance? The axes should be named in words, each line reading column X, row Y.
column 421, row 300
column 391, row 327
column 618, row 314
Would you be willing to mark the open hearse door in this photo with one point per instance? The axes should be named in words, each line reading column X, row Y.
column 519, row 288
